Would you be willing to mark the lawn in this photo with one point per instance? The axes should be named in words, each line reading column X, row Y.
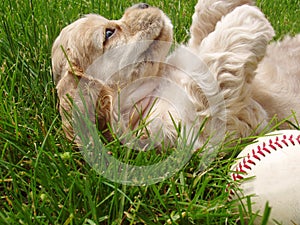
column 44, row 178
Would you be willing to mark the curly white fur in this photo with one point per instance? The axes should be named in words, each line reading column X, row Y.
column 227, row 73
column 207, row 14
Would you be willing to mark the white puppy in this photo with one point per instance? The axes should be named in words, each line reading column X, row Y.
column 227, row 75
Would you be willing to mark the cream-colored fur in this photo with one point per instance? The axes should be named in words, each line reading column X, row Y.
column 277, row 83
column 83, row 41
column 207, row 14
column 223, row 74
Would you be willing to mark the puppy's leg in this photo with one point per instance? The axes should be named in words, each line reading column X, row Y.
column 207, row 14
column 232, row 53
column 276, row 85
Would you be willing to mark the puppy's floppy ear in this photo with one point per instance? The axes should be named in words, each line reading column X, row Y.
column 104, row 107
column 81, row 42
column 79, row 96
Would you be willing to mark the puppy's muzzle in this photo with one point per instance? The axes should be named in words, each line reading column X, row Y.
column 143, row 5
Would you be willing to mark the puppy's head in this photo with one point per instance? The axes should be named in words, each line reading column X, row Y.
column 109, row 53
column 137, row 36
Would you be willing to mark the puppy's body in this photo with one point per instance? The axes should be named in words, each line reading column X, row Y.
column 218, row 76
column 277, row 83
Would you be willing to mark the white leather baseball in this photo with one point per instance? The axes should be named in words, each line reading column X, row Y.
column 274, row 163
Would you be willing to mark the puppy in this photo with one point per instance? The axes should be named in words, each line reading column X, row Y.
column 118, row 73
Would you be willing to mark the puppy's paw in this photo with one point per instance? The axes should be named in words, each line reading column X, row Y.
column 233, row 51
column 207, row 14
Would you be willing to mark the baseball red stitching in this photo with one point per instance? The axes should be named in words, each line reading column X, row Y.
column 261, row 150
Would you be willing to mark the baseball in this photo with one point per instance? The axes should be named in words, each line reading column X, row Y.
column 272, row 168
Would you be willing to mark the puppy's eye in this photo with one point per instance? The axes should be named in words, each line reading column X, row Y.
column 109, row 33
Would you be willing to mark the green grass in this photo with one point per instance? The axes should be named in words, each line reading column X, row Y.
column 44, row 179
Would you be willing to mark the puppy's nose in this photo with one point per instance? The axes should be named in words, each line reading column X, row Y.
column 143, row 5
